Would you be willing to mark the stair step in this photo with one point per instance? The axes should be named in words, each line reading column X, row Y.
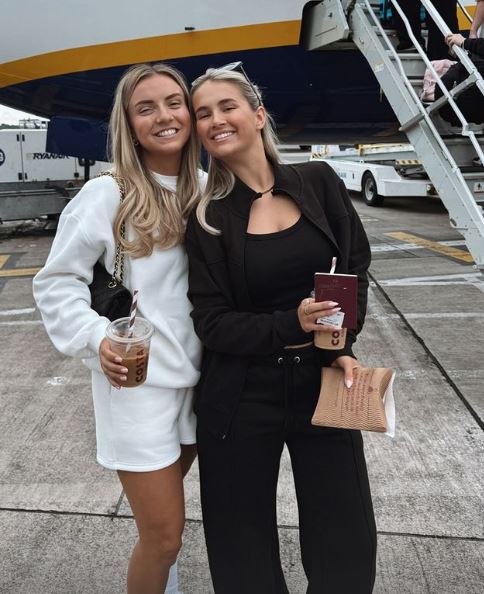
column 460, row 193
column 412, row 64
column 455, row 138
column 475, row 182
column 464, row 153
column 389, row 32
column 374, row 7
column 474, row 175
column 407, row 56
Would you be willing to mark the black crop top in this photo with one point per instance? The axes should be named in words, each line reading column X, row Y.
column 280, row 266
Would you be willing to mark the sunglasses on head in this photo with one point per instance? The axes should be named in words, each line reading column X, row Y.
column 238, row 67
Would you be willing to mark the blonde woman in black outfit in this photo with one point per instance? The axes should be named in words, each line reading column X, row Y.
column 261, row 231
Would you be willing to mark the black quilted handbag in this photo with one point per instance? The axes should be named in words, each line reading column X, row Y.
column 109, row 297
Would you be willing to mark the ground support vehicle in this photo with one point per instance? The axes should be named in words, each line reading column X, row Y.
column 378, row 171
column 34, row 182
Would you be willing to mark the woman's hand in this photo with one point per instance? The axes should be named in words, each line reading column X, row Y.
column 454, row 39
column 347, row 364
column 110, row 364
column 309, row 311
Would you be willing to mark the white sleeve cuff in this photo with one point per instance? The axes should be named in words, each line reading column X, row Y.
column 98, row 333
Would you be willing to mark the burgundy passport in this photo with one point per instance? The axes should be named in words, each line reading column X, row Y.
column 342, row 288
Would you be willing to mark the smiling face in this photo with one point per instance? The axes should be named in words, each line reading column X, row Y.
column 160, row 121
column 226, row 124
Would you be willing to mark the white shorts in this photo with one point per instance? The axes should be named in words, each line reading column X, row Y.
column 141, row 429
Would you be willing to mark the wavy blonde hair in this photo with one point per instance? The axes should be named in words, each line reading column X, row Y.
column 221, row 180
column 155, row 213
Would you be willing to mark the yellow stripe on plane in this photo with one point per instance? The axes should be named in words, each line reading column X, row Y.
column 464, row 24
column 150, row 49
column 434, row 246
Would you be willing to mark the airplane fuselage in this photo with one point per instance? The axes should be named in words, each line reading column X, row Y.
column 67, row 65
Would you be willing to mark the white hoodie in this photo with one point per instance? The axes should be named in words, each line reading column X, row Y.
column 61, row 291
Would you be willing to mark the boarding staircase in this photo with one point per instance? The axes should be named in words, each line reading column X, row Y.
column 452, row 157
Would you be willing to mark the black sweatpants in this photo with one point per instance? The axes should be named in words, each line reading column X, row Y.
column 437, row 49
column 238, row 477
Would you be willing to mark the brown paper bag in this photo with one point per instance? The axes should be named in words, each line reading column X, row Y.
column 360, row 407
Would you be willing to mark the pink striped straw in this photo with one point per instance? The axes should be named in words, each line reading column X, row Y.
column 132, row 313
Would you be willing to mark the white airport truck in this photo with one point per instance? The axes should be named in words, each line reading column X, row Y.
column 33, row 182
column 377, row 171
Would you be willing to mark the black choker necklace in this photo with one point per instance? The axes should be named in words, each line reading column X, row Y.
column 266, row 191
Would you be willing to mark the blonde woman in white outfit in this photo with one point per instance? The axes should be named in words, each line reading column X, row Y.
column 146, row 434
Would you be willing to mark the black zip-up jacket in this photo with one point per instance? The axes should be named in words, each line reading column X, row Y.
column 222, row 311
column 475, row 46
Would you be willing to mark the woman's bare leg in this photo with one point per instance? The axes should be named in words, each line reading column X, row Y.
column 157, row 502
column 187, row 456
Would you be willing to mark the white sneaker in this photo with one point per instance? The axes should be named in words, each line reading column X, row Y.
column 172, row 584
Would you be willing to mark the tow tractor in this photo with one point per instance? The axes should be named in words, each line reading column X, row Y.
column 377, row 171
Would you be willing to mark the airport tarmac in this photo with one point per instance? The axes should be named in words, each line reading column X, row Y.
column 66, row 526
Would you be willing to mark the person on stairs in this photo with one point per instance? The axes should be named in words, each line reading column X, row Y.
column 478, row 20
column 436, row 46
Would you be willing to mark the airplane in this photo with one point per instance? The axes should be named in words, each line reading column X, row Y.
column 62, row 60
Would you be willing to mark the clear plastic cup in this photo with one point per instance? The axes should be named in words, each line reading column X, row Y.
column 134, row 350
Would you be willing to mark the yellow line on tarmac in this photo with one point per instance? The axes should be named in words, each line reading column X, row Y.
column 434, row 246
column 19, row 272
column 3, row 259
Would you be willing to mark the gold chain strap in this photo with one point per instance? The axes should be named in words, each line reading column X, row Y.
column 119, row 258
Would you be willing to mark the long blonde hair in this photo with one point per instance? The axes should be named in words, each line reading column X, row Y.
column 155, row 214
column 220, row 179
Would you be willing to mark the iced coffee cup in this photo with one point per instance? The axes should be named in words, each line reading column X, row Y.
column 133, row 346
